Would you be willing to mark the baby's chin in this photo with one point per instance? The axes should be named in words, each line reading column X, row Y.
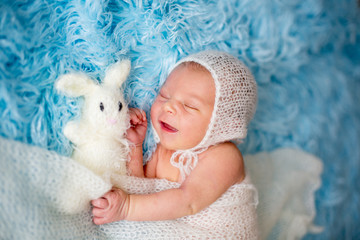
column 178, row 146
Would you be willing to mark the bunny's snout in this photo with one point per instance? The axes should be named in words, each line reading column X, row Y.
column 112, row 121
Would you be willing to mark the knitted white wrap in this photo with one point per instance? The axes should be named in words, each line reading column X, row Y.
column 35, row 189
column 235, row 104
column 232, row 216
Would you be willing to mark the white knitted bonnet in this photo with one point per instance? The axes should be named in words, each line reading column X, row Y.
column 235, row 105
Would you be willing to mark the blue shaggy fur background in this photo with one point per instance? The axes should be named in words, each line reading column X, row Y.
column 305, row 56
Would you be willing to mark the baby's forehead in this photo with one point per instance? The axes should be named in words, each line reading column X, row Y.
column 194, row 66
column 194, row 75
column 194, row 82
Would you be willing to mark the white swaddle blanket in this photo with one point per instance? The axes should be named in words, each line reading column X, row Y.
column 36, row 185
column 232, row 216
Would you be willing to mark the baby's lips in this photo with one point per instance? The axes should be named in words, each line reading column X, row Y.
column 168, row 127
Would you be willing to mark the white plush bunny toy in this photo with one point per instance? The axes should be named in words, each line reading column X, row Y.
column 99, row 136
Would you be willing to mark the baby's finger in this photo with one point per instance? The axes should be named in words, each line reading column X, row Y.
column 100, row 203
column 143, row 115
column 98, row 212
column 140, row 114
column 134, row 115
column 98, row 220
column 137, row 115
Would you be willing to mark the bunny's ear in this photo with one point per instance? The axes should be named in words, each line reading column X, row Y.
column 117, row 73
column 75, row 84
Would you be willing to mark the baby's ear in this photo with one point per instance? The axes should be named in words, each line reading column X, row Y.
column 75, row 84
column 117, row 73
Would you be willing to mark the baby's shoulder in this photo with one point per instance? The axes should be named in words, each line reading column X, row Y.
column 226, row 153
column 228, row 149
column 227, row 158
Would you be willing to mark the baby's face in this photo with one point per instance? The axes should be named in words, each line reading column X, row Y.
column 182, row 111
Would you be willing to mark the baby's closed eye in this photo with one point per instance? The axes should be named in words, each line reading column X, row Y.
column 163, row 95
column 191, row 107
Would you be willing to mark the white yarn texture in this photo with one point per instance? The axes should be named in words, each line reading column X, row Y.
column 232, row 216
column 36, row 190
column 34, row 182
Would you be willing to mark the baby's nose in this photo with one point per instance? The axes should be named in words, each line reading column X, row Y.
column 169, row 107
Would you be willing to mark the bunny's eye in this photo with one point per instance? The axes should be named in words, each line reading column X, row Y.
column 101, row 107
column 120, row 106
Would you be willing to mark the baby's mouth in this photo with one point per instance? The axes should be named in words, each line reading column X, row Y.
column 167, row 127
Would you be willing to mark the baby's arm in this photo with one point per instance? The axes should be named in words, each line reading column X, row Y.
column 218, row 168
column 136, row 135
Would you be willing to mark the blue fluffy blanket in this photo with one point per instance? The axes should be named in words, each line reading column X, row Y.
column 305, row 56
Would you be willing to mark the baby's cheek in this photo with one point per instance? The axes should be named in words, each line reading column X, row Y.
column 153, row 110
column 154, row 113
column 199, row 124
column 195, row 131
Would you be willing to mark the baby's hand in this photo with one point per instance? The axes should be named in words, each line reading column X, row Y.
column 136, row 133
column 111, row 207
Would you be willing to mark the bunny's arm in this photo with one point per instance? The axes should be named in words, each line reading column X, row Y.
column 72, row 132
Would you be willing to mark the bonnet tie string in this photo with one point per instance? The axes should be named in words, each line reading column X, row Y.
column 186, row 161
